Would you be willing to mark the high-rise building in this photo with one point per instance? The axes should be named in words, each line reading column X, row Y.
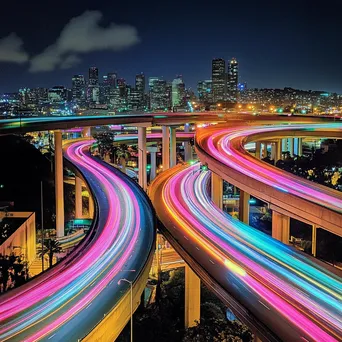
column 140, row 83
column 178, row 92
column 111, row 79
column 105, row 90
column 159, row 93
column 218, row 79
column 204, row 89
column 233, row 80
column 78, row 88
column 93, row 91
column 93, row 76
column 140, row 88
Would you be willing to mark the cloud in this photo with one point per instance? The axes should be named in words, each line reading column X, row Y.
column 70, row 61
column 81, row 35
column 11, row 49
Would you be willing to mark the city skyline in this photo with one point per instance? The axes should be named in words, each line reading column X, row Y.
column 276, row 46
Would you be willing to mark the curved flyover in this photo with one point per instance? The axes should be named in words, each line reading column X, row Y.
column 66, row 302
column 222, row 148
column 277, row 291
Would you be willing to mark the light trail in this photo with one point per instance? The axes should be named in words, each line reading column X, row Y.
column 227, row 146
column 288, row 292
column 54, row 305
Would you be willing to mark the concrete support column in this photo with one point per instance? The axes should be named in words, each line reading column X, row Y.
column 273, row 151
column 314, row 240
column 290, row 142
column 86, row 132
column 278, row 151
column 258, row 150
column 142, row 157
column 78, row 198
column 300, row 146
column 187, row 151
column 280, row 227
column 91, row 206
column 59, row 193
column 244, row 207
column 153, row 155
column 264, row 150
column 217, row 189
column 166, row 147
column 173, row 147
column 192, row 298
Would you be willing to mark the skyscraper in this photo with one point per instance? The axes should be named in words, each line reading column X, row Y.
column 204, row 89
column 78, row 88
column 218, row 79
column 178, row 92
column 140, row 83
column 140, row 89
column 93, row 90
column 93, row 76
column 233, row 80
column 111, row 79
column 159, row 93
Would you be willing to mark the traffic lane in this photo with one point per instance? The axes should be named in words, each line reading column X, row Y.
column 186, row 237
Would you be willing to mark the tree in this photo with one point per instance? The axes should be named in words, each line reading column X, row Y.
column 122, row 155
column 105, row 142
column 51, row 247
column 13, row 271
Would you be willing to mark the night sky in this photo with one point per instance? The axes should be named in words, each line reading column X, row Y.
column 277, row 43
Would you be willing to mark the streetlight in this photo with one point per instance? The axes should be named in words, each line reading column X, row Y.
column 131, row 284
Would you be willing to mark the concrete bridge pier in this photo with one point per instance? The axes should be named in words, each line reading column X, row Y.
column 59, row 191
column 244, row 206
column 258, row 149
column 153, row 155
column 280, row 227
column 192, row 298
column 314, row 240
column 217, row 189
column 86, row 132
column 91, row 206
column 173, row 147
column 166, row 147
column 142, row 157
column 78, row 198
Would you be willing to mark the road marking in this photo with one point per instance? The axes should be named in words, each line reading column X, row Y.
column 186, row 238
column 88, row 306
column 212, row 261
column 51, row 336
column 197, row 248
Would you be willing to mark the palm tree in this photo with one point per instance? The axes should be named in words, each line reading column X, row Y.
column 122, row 155
column 51, row 247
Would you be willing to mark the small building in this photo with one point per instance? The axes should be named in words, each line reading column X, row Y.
column 20, row 235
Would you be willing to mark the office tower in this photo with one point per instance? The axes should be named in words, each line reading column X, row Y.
column 105, row 90
column 111, row 79
column 140, row 83
column 134, row 99
column 140, row 88
column 204, row 89
column 78, row 88
column 178, row 92
column 218, row 80
column 93, row 90
column 159, row 93
column 93, row 76
column 233, row 78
